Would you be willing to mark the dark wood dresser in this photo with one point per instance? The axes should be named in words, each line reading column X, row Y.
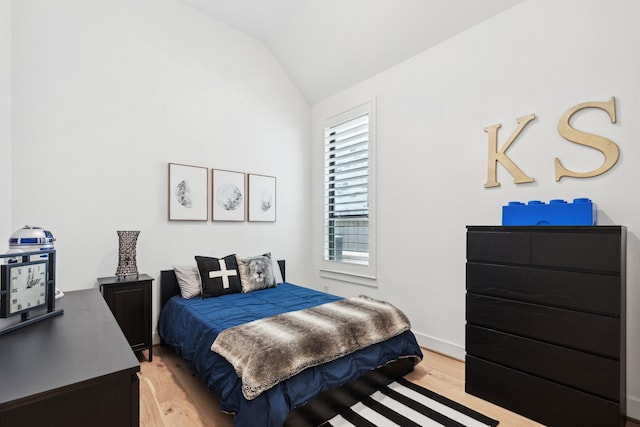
column 545, row 331
column 76, row 369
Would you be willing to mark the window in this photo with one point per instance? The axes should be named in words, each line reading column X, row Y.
column 348, row 225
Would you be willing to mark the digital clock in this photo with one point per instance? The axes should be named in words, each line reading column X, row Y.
column 24, row 287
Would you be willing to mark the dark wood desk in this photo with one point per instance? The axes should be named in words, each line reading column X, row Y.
column 71, row 370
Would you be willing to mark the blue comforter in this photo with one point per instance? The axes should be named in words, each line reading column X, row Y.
column 191, row 325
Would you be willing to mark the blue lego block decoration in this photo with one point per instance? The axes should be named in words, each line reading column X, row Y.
column 557, row 212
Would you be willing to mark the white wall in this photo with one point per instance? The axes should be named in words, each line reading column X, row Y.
column 539, row 57
column 5, row 123
column 106, row 94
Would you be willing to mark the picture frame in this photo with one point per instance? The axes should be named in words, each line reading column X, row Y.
column 262, row 198
column 229, row 195
column 188, row 193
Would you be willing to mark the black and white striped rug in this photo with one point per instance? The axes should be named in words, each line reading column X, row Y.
column 380, row 399
column 405, row 404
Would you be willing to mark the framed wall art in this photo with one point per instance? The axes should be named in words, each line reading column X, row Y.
column 262, row 198
column 188, row 193
column 229, row 195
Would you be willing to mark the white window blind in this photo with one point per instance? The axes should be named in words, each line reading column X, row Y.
column 347, row 191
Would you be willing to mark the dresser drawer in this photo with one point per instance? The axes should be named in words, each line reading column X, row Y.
column 597, row 251
column 505, row 247
column 582, row 371
column 589, row 292
column 541, row 400
column 582, row 331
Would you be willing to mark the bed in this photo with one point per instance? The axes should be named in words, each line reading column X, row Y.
column 190, row 326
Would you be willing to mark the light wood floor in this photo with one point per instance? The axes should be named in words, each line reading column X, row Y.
column 170, row 396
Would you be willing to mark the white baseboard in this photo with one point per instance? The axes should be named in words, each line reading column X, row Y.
column 447, row 348
column 633, row 407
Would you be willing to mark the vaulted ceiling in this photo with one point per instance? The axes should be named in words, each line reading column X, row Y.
column 328, row 45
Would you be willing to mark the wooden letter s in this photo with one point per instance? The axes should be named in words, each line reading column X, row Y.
column 607, row 147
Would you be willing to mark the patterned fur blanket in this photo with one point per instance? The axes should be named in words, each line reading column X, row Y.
column 267, row 351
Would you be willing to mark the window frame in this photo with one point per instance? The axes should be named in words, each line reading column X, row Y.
column 345, row 271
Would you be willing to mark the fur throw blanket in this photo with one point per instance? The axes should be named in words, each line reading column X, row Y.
column 267, row 351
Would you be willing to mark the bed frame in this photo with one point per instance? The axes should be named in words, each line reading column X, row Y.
column 328, row 403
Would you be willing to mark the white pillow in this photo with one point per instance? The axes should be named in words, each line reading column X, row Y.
column 277, row 274
column 188, row 280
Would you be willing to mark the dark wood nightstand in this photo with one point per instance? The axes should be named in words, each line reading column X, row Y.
column 129, row 299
